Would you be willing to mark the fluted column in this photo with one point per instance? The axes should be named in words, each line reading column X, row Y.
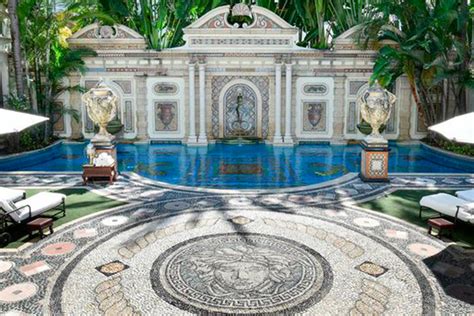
column 202, row 104
column 192, row 139
column 289, row 88
column 277, row 139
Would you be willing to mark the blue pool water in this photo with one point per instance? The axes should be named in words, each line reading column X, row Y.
column 245, row 166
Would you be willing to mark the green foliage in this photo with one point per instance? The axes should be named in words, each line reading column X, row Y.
column 429, row 44
column 458, row 148
column 17, row 103
column 48, row 58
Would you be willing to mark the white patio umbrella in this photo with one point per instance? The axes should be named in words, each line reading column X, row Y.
column 14, row 122
column 459, row 129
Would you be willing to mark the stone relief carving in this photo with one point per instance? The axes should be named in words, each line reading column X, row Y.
column 165, row 88
column 241, row 9
column 314, row 119
column 217, row 22
column 375, row 106
column 128, row 124
column 165, row 116
column 240, row 118
column 351, row 118
column 218, row 83
column 315, row 89
column 101, row 104
column 259, row 21
column 241, row 41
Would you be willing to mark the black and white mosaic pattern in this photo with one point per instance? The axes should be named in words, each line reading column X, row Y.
column 242, row 252
column 229, row 273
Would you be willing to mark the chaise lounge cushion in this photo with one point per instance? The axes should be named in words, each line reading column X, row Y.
column 39, row 203
column 448, row 205
column 467, row 195
column 11, row 194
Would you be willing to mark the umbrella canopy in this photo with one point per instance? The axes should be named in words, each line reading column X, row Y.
column 14, row 122
column 459, row 129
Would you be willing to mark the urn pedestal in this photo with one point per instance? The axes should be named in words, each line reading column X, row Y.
column 107, row 146
column 374, row 161
column 101, row 104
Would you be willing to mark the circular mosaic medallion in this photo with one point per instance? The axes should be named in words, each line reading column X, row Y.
column 241, row 274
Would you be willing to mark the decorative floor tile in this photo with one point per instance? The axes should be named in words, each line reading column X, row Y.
column 34, row 268
column 241, row 220
column 112, row 268
column 176, row 206
column 371, row 269
column 18, row 292
column 392, row 233
column 423, row 250
column 114, row 221
column 197, row 242
column 5, row 265
column 300, row 199
column 243, row 201
column 85, row 233
column 58, row 249
column 366, row 222
column 334, row 213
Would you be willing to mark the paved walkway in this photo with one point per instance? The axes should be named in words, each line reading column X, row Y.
column 178, row 251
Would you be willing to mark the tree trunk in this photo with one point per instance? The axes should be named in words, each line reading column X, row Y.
column 16, row 46
column 465, row 66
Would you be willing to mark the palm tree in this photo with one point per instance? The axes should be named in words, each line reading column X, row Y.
column 16, row 47
column 428, row 48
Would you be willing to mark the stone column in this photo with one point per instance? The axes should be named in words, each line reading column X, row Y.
column 289, row 88
column 192, row 139
column 277, row 139
column 202, row 104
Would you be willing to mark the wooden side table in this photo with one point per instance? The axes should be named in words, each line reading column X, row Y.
column 39, row 224
column 440, row 224
column 91, row 172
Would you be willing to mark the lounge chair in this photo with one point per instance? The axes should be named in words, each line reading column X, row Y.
column 467, row 195
column 11, row 194
column 23, row 211
column 449, row 205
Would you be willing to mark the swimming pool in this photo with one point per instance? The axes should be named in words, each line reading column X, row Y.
column 239, row 166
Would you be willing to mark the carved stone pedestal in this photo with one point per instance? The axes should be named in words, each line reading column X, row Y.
column 105, row 144
column 102, row 145
column 374, row 161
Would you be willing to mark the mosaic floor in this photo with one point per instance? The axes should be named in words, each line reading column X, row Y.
column 179, row 252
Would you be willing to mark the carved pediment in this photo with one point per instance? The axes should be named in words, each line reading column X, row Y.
column 107, row 37
column 261, row 19
column 261, row 29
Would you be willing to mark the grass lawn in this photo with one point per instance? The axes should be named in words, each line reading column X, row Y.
column 404, row 204
column 79, row 203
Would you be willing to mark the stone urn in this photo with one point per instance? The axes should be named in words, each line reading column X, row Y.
column 375, row 107
column 314, row 114
column 166, row 114
column 101, row 104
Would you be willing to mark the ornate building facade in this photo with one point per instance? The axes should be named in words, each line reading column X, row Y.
column 228, row 81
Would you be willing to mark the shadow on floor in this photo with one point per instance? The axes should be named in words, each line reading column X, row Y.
column 453, row 269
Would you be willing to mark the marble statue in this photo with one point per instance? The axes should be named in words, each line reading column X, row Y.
column 101, row 104
column 375, row 107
